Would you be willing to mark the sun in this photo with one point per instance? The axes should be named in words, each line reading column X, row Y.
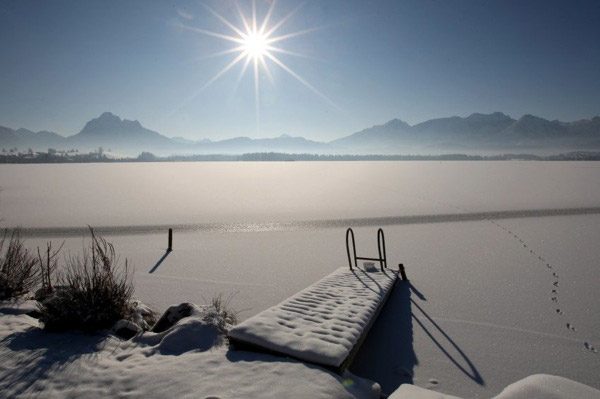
column 255, row 44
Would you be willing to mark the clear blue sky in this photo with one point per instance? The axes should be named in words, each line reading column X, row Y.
column 65, row 62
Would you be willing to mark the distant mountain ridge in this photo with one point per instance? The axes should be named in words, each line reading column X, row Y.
column 493, row 132
column 24, row 139
column 129, row 137
column 489, row 132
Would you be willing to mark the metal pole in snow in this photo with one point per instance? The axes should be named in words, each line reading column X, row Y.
column 402, row 271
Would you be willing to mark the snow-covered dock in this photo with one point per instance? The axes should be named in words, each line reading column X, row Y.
column 323, row 324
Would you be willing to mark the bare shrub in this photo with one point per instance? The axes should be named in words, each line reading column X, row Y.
column 92, row 293
column 19, row 273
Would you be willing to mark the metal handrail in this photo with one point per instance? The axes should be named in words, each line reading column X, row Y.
column 380, row 248
column 350, row 233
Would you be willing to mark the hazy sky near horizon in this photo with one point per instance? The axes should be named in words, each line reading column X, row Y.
column 66, row 62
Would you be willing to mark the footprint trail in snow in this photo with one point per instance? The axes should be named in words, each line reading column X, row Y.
column 554, row 297
column 555, row 284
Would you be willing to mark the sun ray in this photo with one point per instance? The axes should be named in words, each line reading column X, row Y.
column 290, row 35
column 209, row 82
column 283, row 20
column 225, row 69
column 288, row 52
column 244, row 68
column 254, row 15
column 301, row 80
column 220, row 53
column 265, row 67
column 263, row 26
column 224, row 20
column 242, row 17
column 213, row 34
column 256, row 95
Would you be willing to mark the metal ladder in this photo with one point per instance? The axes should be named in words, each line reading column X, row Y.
column 380, row 247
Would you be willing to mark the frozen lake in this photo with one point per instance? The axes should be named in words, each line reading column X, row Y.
column 147, row 195
column 476, row 238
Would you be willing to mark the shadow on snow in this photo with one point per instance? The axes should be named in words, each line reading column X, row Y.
column 46, row 353
column 388, row 356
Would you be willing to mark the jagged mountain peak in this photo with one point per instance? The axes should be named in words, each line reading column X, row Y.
column 110, row 124
column 494, row 116
column 108, row 116
column 396, row 124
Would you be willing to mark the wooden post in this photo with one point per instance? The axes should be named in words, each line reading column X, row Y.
column 170, row 240
column 402, row 271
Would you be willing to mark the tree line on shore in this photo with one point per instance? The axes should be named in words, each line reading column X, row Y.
column 53, row 156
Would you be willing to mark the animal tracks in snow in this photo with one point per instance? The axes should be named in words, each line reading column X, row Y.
column 590, row 347
column 555, row 284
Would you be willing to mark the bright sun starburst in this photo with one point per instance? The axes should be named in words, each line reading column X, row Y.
column 256, row 45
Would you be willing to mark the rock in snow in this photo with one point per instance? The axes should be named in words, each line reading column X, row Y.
column 126, row 329
column 173, row 314
column 142, row 315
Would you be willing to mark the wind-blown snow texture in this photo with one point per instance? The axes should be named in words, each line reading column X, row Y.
column 322, row 323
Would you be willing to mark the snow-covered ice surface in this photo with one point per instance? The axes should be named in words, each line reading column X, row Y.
column 180, row 362
column 324, row 322
column 150, row 194
column 480, row 313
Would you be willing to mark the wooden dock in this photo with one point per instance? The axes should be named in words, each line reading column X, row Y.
column 324, row 324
